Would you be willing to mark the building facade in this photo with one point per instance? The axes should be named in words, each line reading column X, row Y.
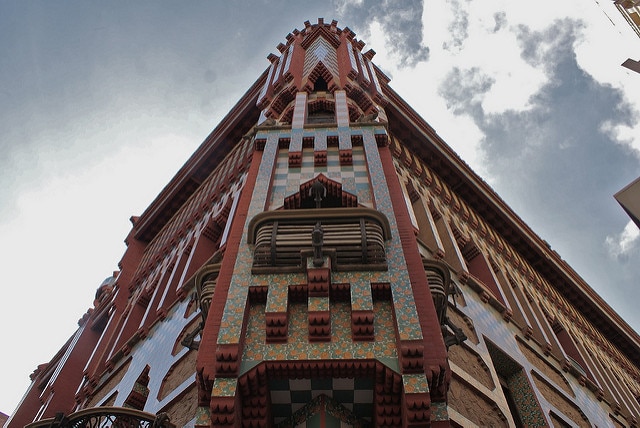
column 630, row 11
column 325, row 259
column 629, row 200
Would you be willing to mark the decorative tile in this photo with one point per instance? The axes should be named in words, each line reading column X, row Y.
column 290, row 395
column 224, row 387
column 318, row 304
column 439, row 412
column 277, row 296
column 341, row 345
column 405, row 308
column 361, row 295
column 415, row 383
column 287, row 180
column 233, row 315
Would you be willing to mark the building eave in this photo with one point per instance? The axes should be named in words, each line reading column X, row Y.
column 629, row 200
column 429, row 146
column 215, row 147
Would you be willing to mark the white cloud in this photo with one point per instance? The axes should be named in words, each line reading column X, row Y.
column 623, row 134
column 460, row 132
column 66, row 237
column 600, row 53
column 491, row 46
column 515, row 85
column 498, row 55
column 620, row 245
column 342, row 5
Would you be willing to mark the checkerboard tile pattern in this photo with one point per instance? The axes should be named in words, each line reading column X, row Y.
column 290, row 395
column 354, row 178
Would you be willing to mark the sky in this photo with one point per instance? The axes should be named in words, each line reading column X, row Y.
column 102, row 104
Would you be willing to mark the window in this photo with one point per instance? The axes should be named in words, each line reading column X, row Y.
column 321, row 110
column 320, row 85
column 516, row 388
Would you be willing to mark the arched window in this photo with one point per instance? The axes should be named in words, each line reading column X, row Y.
column 321, row 110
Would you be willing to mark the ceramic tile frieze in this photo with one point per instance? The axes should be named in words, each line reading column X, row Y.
column 341, row 345
column 278, row 296
column 415, row 383
column 405, row 308
column 361, row 295
column 232, row 318
column 224, row 387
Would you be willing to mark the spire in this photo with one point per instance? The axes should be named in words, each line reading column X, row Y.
column 321, row 57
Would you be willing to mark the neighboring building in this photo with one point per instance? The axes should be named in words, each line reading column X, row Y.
column 629, row 199
column 3, row 418
column 630, row 10
column 325, row 259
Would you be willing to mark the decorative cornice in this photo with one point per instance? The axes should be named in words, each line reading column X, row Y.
column 422, row 139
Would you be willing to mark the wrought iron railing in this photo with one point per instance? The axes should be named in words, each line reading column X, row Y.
column 106, row 417
column 441, row 287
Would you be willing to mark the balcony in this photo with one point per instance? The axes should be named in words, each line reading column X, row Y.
column 353, row 238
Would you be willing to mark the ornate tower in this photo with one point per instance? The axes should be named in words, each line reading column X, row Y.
column 321, row 299
column 325, row 259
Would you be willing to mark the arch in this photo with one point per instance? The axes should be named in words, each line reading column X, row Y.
column 321, row 71
column 320, row 84
column 287, row 116
column 334, row 196
column 321, row 110
column 362, row 100
column 354, row 111
column 321, row 105
column 258, row 384
column 284, row 98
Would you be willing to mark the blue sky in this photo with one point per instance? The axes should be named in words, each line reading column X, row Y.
column 102, row 105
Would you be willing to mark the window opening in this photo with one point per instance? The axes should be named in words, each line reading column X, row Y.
column 518, row 393
column 576, row 363
column 320, row 85
column 513, row 408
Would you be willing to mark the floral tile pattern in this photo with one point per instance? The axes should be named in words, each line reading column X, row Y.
column 318, row 304
column 415, row 383
column 224, row 387
column 341, row 345
column 233, row 315
column 361, row 295
column 439, row 412
column 278, row 296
